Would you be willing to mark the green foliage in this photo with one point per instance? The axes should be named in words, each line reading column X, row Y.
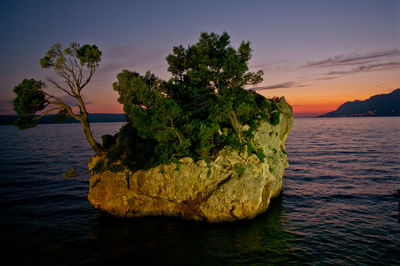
column 209, row 172
column 99, row 167
column 108, row 141
column 61, row 116
column 116, row 168
column 30, row 99
column 260, row 154
column 88, row 55
column 213, row 64
column 177, row 166
column 70, row 173
column 200, row 110
column 274, row 113
column 127, row 81
column 272, row 170
column 239, row 169
column 132, row 150
column 24, row 122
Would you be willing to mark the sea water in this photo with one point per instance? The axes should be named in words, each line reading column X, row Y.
column 339, row 204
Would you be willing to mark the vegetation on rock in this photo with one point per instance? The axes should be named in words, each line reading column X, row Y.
column 201, row 109
column 70, row 173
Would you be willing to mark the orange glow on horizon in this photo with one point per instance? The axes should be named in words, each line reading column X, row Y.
column 314, row 110
column 307, row 101
column 302, row 109
column 302, row 106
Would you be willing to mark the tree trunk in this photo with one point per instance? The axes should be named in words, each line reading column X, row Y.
column 236, row 124
column 88, row 133
column 86, row 128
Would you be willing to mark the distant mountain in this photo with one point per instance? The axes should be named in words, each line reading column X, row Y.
column 378, row 105
column 48, row 119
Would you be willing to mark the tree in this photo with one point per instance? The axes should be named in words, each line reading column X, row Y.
column 212, row 73
column 151, row 112
column 76, row 66
column 203, row 108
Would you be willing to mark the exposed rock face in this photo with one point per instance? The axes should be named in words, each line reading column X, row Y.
column 234, row 186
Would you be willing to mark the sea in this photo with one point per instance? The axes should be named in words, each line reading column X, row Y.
column 339, row 205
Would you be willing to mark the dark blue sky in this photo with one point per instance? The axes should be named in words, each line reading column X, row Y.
column 286, row 37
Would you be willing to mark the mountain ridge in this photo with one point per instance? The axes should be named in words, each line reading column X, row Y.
column 377, row 105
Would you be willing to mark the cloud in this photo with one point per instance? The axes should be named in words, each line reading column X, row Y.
column 284, row 85
column 354, row 59
column 275, row 66
column 366, row 68
column 340, row 65
column 327, row 78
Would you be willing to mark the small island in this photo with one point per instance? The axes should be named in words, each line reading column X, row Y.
column 234, row 183
column 198, row 146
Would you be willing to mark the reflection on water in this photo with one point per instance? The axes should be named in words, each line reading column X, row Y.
column 161, row 241
column 338, row 206
column 173, row 241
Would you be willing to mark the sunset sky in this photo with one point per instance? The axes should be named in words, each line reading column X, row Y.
column 318, row 54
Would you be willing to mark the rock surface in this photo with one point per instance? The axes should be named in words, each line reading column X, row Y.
column 234, row 186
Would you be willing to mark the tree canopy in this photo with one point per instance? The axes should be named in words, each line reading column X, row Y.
column 76, row 66
column 201, row 109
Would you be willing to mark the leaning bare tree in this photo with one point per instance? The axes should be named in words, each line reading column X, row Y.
column 76, row 66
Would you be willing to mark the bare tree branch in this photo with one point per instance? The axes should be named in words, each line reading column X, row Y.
column 77, row 69
column 92, row 70
column 67, row 78
column 59, row 87
column 47, row 112
column 63, row 104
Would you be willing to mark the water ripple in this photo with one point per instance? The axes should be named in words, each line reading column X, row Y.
column 339, row 204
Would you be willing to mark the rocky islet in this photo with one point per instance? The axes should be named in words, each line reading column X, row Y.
column 235, row 186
